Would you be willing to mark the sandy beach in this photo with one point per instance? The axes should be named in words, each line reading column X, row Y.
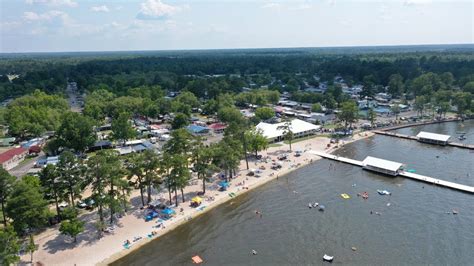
column 56, row 249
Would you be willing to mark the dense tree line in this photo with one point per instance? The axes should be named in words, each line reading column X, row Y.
column 210, row 74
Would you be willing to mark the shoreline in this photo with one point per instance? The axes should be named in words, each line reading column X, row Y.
column 57, row 249
column 261, row 181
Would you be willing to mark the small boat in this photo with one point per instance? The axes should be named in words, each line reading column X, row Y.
column 321, row 208
column 254, row 252
column 310, row 205
column 383, row 192
column 462, row 137
column 315, row 204
column 328, row 258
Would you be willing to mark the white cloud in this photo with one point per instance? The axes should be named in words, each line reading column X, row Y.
column 69, row 3
column 272, row 6
column 156, row 9
column 102, row 8
column 302, row 6
column 6, row 26
column 47, row 16
column 416, row 2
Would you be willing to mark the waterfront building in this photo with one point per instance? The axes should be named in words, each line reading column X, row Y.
column 433, row 138
column 381, row 166
column 275, row 132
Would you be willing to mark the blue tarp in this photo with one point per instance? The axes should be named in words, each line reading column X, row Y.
column 168, row 211
column 223, row 184
column 197, row 129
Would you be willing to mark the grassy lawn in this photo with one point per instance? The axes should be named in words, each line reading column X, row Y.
column 275, row 145
column 313, row 136
column 25, row 161
column 330, row 126
column 304, row 138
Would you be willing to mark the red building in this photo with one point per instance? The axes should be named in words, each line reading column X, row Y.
column 12, row 158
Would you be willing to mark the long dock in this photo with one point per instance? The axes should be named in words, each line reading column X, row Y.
column 421, row 123
column 417, row 177
column 402, row 136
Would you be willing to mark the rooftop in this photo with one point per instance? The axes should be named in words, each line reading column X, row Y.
column 381, row 163
column 11, row 153
column 433, row 136
column 275, row 130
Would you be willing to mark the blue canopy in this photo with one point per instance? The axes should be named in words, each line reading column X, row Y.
column 168, row 211
column 224, row 184
column 197, row 129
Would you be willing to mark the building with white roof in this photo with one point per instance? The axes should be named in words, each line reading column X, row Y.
column 381, row 165
column 433, row 138
column 275, row 132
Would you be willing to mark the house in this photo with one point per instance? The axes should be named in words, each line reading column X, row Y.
column 6, row 142
column 275, row 132
column 52, row 160
column 135, row 146
column 218, row 127
column 101, row 145
column 12, row 157
column 32, row 142
column 35, row 149
column 195, row 129
column 105, row 127
column 286, row 103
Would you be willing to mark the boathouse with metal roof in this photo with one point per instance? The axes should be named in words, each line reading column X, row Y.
column 381, row 166
column 433, row 138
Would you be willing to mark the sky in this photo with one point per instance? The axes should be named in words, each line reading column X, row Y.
column 87, row 25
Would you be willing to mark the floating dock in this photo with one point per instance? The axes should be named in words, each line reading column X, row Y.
column 422, row 178
column 397, row 135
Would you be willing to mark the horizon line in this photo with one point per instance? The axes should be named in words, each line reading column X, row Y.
column 241, row 48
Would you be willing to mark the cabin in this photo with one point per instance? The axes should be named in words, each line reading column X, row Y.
column 12, row 157
column 433, row 138
column 381, row 166
column 218, row 128
column 101, row 145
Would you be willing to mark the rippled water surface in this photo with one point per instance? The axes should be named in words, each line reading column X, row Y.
column 414, row 229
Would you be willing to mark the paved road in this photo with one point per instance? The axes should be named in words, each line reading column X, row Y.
column 23, row 169
column 73, row 95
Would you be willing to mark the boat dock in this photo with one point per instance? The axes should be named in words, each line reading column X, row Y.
column 422, row 178
column 397, row 135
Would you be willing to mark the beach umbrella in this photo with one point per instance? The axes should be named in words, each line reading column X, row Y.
column 196, row 199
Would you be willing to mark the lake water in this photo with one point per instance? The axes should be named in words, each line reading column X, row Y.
column 414, row 229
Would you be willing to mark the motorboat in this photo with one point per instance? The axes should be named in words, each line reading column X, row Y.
column 383, row 192
column 328, row 258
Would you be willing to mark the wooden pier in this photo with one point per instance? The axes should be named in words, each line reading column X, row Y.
column 422, row 178
column 397, row 135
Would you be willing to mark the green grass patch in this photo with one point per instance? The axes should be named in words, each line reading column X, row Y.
column 330, row 126
column 273, row 145
column 25, row 161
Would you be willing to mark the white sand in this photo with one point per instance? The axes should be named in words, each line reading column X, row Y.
column 56, row 249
